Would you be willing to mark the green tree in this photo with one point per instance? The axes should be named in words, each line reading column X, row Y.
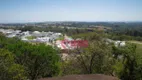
column 9, row 70
column 97, row 58
column 127, row 57
column 38, row 60
column 42, row 61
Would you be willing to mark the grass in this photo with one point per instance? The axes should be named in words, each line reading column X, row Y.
column 136, row 42
column 139, row 53
column 88, row 35
column 61, row 38
column 139, row 46
column 138, row 50
column 30, row 37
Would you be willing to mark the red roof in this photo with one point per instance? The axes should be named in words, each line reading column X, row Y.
column 75, row 43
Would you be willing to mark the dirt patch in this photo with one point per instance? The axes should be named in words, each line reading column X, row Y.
column 83, row 77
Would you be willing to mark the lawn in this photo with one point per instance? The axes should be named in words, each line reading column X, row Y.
column 138, row 50
column 139, row 46
column 30, row 37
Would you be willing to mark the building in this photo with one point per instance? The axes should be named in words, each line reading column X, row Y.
column 73, row 44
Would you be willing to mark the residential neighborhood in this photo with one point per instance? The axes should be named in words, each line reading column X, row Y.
column 35, row 36
column 49, row 38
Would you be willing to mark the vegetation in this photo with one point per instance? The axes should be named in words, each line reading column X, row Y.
column 30, row 37
column 21, row 60
column 9, row 70
column 123, row 62
column 36, row 61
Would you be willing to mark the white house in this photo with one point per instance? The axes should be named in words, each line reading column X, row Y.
column 119, row 43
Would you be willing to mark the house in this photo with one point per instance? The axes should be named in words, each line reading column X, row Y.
column 37, row 34
column 116, row 43
column 73, row 44
column 119, row 43
column 26, row 33
column 43, row 39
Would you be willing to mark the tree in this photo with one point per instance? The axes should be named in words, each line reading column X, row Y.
column 126, row 56
column 9, row 70
column 97, row 58
column 42, row 62
column 38, row 60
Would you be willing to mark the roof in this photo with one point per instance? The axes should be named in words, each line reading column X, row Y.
column 66, row 44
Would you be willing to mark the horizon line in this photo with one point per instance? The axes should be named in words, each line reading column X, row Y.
column 60, row 21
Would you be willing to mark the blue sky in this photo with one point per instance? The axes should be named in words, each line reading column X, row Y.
column 13, row 11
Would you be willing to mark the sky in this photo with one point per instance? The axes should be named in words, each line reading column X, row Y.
column 20, row 11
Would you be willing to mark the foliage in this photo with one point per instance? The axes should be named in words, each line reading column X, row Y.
column 70, row 67
column 115, row 36
column 57, row 28
column 96, row 58
column 90, row 36
column 38, row 60
column 61, row 38
column 127, row 57
column 138, row 59
column 30, row 37
column 9, row 70
column 123, row 62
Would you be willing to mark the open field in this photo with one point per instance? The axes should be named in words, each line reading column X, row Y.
column 139, row 46
column 139, row 53
column 137, row 42
column 138, row 50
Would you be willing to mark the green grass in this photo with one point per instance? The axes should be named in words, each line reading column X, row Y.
column 139, row 46
column 61, row 38
column 136, row 42
column 139, row 54
column 88, row 35
column 30, row 37
column 138, row 51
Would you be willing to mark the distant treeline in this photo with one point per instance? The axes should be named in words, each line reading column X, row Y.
column 130, row 30
column 80, row 24
column 64, row 30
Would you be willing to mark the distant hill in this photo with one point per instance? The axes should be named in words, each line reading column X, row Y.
column 80, row 24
